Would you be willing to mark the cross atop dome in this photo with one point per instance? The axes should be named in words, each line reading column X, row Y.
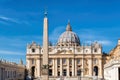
column 68, row 28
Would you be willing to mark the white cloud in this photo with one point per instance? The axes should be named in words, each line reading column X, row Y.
column 4, row 19
column 9, row 19
column 105, row 42
column 88, row 36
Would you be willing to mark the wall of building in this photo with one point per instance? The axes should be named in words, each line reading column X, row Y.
column 111, row 68
column 11, row 71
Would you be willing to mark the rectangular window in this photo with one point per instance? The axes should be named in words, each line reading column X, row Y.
column 33, row 61
column 64, row 61
column 70, row 61
column 78, row 72
column 50, row 61
column 58, row 61
column 78, row 61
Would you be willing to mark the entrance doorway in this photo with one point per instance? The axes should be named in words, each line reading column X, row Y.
column 33, row 71
column 96, row 70
column 50, row 72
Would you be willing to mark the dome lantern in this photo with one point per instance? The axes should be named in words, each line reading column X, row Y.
column 68, row 28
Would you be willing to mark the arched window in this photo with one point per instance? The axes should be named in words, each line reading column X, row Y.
column 95, row 50
column 33, row 50
column 96, row 70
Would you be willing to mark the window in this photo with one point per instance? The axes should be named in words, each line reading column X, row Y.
column 58, row 61
column 58, row 51
column 78, row 72
column 50, row 49
column 70, row 61
column 50, row 61
column 95, row 50
column 78, row 61
column 70, row 73
column 50, row 72
column 33, row 50
column 86, row 51
column 33, row 61
column 95, row 61
column 79, row 50
column 66, row 44
column 64, row 72
column 58, row 73
column 64, row 61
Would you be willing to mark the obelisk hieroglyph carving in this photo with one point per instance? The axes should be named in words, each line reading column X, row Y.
column 45, row 49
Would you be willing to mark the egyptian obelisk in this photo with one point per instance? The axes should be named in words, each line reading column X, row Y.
column 45, row 49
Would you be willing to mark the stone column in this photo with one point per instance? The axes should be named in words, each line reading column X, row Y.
column 56, row 70
column 53, row 67
column 73, row 67
column 90, row 67
column 61, row 71
column 68, row 70
column 28, row 66
column 82, row 73
column 38, row 67
column 100, row 68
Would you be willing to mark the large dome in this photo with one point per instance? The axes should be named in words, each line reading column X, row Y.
column 68, row 38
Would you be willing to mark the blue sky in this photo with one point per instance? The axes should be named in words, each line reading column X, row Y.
column 21, row 22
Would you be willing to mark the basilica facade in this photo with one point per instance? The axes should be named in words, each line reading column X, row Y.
column 67, row 58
